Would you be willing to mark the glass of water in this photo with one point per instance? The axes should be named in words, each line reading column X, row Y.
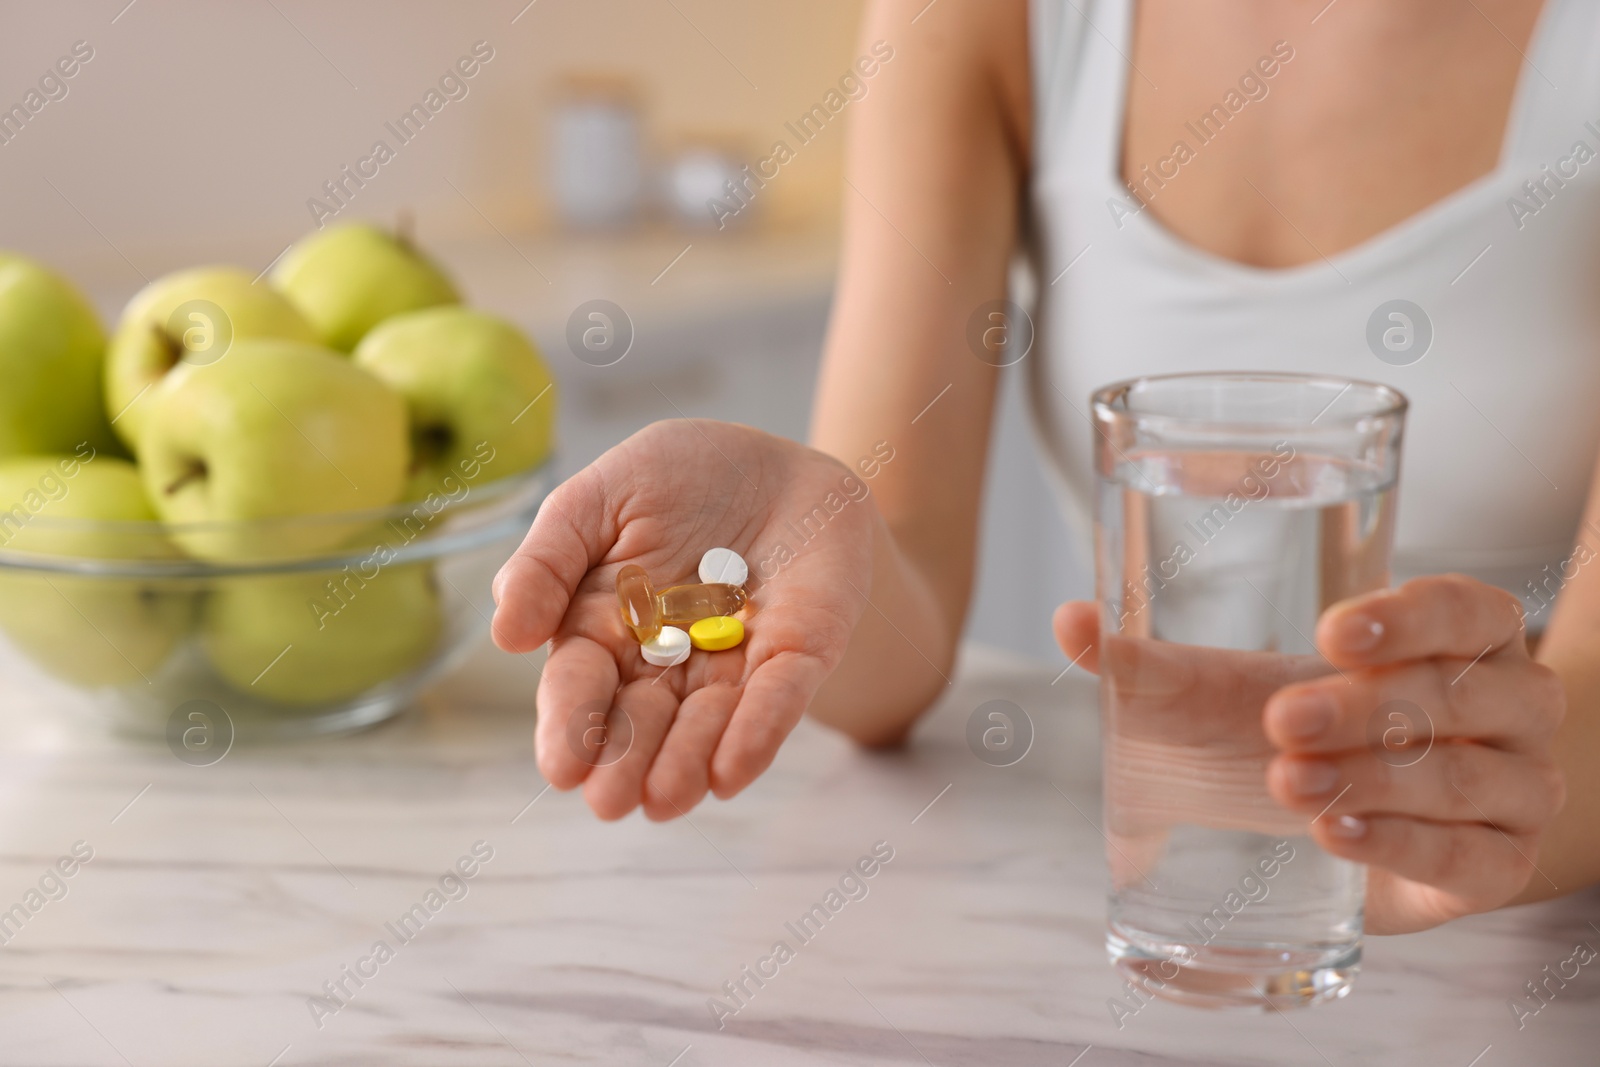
column 1232, row 510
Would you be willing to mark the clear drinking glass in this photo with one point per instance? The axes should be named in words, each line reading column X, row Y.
column 1231, row 510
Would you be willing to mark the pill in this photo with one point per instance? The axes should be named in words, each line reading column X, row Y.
column 668, row 648
column 638, row 602
column 716, row 633
column 684, row 604
column 645, row 611
column 724, row 565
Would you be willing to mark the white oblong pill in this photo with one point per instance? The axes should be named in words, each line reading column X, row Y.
column 668, row 648
column 724, row 565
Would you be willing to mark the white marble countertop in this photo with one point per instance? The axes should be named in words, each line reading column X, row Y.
column 219, row 899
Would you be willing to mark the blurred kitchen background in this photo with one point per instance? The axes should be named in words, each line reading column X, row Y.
column 572, row 166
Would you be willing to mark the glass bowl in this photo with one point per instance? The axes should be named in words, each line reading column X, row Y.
column 306, row 625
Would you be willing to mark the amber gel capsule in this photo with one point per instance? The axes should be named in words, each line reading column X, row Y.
column 636, row 597
column 683, row 605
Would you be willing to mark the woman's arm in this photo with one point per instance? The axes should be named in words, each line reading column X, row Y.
column 1569, row 855
column 936, row 169
column 938, row 155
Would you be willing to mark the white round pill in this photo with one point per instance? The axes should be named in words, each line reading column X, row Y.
column 668, row 648
column 724, row 565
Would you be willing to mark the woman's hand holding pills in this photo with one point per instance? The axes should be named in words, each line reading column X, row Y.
column 631, row 732
column 1424, row 746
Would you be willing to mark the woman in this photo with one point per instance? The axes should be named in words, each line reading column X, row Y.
column 1335, row 157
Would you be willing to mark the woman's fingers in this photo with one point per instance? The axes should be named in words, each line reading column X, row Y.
column 796, row 638
column 638, row 723
column 740, row 706
column 1510, row 702
column 775, row 696
column 1077, row 629
column 1452, row 782
column 574, row 698
column 1440, row 615
column 1178, row 693
column 1426, row 756
column 1192, row 695
column 1427, row 873
column 536, row 585
column 681, row 775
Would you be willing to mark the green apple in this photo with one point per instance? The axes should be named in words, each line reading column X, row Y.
column 192, row 315
column 93, row 631
column 348, row 278
column 277, row 429
column 319, row 638
column 478, row 392
column 62, row 489
column 52, row 352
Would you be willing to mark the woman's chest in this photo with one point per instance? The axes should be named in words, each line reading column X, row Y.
column 1264, row 138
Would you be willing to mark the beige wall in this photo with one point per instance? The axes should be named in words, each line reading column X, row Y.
column 199, row 130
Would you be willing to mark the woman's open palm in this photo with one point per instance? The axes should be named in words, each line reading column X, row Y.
column 634, row 734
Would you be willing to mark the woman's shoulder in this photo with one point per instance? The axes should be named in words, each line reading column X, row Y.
column 988, row 37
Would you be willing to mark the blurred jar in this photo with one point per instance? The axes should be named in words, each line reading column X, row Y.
column 598, row 155
column 704, row 184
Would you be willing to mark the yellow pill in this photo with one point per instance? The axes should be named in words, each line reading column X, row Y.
column 716, row 633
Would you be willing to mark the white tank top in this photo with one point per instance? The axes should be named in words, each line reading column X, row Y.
column 1504, row 424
